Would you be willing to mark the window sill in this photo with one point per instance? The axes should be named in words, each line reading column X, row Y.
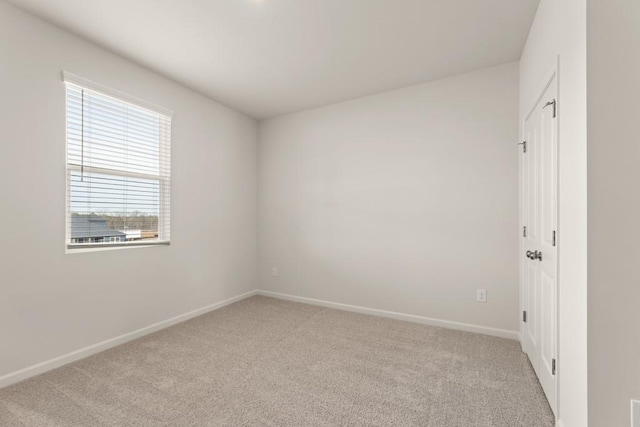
column 99, row 247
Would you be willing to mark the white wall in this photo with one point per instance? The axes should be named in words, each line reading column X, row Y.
column 558, row 35
column 614, row 210
column 52, row 303
column 404, row 201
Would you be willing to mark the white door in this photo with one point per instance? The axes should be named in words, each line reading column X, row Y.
column 539, row 240
column 531, row 202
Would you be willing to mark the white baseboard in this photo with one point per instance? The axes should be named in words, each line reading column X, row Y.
column 57, row 362
column 502, row 333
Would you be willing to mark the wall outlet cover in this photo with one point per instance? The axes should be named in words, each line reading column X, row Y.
column 274, row 271
column 635, row 413
column 481, row 296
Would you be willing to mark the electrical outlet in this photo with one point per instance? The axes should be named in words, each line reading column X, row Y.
column 635, row 413
column 481, row 296
column 274, row 271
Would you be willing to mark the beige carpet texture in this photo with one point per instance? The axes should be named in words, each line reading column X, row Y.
column 267, row 362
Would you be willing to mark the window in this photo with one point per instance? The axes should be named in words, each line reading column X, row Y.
column 118, row 168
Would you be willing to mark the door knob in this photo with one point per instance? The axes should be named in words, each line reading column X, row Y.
column 535, row 255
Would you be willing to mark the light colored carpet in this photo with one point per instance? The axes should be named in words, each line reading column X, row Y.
column 268, row 362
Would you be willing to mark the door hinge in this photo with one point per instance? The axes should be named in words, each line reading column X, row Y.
column 554, row 238
column 524, row 146
column 524, row 316
column 553, row 366
column 524, row 231
column 554, row 107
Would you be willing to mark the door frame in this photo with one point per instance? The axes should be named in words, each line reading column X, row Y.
column 551, row 74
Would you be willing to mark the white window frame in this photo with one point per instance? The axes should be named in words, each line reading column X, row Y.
column 164, row 177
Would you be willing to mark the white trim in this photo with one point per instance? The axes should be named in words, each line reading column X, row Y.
column 503, row 333
column 114, row 93
column 59, row 361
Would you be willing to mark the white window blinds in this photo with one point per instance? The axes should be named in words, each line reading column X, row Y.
column 118, row 170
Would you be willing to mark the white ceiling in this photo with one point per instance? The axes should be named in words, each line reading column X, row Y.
column 272, row 57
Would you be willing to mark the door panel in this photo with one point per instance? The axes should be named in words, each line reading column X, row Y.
column 530, row 219
column 540, row 216
column 531, row 330
column 548, row 245
column 547, row 317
